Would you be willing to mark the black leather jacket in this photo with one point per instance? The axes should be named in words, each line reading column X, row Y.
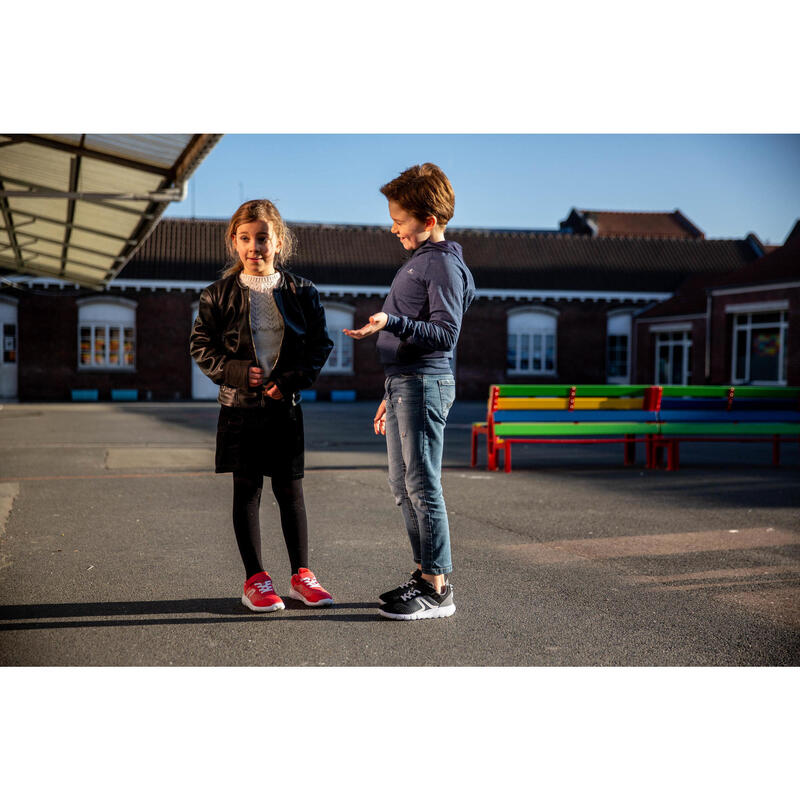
column 222, row 341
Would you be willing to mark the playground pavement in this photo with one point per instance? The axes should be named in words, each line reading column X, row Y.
column 116, row 548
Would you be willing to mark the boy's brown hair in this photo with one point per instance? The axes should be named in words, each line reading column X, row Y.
column 251, row 211
column 423, row 190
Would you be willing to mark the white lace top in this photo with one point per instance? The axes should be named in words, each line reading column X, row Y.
column 266, row 321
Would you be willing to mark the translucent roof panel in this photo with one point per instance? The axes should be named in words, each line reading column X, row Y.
column 78, row 206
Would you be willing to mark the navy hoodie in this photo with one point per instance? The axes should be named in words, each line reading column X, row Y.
column 429, row 295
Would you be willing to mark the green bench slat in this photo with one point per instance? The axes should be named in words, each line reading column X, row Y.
column 738, row 391
column 728, row 428
column 563, row 390
column 766, row 391
column 694, row 391
column 525, row 390
column 514, row 429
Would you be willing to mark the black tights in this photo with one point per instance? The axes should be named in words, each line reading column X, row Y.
column 246, row 501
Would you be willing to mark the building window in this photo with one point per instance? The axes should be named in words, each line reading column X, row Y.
column 531, row 342
column 674, row 357
column 618, row 335
column 9, row 343
column 340, row 362
column 107, row 334
column 759, row 348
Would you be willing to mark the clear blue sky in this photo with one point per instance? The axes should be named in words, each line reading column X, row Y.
column 728, row 184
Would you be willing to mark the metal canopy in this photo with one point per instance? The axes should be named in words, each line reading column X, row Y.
column 76, row 207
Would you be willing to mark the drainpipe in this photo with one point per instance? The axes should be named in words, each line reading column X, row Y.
column 708, row 335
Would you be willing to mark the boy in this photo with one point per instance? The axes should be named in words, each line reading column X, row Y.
column 418, row 330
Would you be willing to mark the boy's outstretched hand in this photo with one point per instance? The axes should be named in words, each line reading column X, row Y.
column 376, row 323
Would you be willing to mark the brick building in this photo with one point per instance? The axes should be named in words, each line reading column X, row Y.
column 732, row 328
column 580, row 304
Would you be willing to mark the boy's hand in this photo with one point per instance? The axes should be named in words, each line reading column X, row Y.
column 379, row 423
column 376, row 323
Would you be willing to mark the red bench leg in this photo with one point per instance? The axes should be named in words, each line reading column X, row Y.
column 491, row 456
column 630, row 449
column 507, row 455
column 673, row 455
column 650, row 448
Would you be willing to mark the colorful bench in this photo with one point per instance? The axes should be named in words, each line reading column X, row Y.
column 725, row 414
column 561, row 414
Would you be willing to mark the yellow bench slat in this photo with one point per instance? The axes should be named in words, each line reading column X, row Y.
column 562, row 404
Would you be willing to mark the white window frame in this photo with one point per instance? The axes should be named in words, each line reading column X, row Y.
column 685, row 344
column 106, row 314
column 546, row 325
column 342, row 345
column 743, row 321
column 619, row 323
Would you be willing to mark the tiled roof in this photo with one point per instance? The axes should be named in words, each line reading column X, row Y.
column 652, row 224
column 690, row 298
column 182, row 249
column 777, row 266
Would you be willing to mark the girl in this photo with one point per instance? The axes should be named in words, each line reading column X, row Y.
column 260, row 333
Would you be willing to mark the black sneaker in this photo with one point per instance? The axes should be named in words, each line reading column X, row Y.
column 393, row 594
column 421, row 601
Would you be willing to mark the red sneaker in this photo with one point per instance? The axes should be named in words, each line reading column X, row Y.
column 259, row 594
column 306, row 587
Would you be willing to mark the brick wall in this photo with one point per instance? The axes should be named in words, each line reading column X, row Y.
column 48, row 347
column 722, row 327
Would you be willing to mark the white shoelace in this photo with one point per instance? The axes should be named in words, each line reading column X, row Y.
column 408, row 595
column 312, row 583
column 265, row 587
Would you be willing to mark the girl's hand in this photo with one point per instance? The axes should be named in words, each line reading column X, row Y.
column 376, row 323
column 379, row 423
column 255, row 376
column 272, row 390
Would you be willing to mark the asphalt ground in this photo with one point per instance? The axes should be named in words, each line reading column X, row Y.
column 116, row 548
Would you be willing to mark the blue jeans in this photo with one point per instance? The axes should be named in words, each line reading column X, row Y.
column 416, row 413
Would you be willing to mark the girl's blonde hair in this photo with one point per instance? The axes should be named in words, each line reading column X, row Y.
column 252, row 211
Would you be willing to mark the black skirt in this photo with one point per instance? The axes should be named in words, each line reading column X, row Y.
column 266, row 441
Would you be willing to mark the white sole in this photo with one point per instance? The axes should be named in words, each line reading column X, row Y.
column 279, row 606
column 429, row 613
column 298, row 596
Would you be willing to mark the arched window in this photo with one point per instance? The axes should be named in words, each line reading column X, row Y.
column 337, row 317
column 106, row 334
column 532, row 341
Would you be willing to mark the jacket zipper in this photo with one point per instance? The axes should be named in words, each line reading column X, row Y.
column 283, row 329
column 253, row 338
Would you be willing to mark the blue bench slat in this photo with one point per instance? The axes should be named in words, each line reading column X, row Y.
column 518, row 415
column 739, row 403
column 709, row 403
column 763, row 403
column 729, row 416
